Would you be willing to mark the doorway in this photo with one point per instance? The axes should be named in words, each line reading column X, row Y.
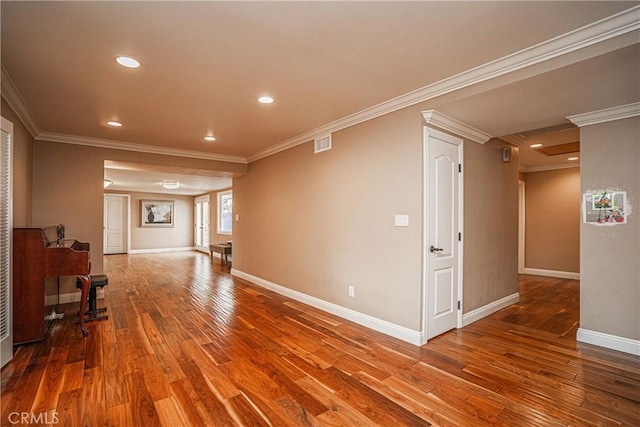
column 116, row 224
column 202, row 223
column 442, row 225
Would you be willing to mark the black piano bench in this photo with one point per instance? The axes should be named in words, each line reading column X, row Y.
column 97, row 281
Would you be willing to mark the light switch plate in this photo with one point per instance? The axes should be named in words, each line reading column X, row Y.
column 402, row 220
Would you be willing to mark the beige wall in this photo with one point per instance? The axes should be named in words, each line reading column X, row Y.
column 319, row 223
column 552, row 235
column 178, row 236
column 491, row 224
column 22, row 168
column 610, row 279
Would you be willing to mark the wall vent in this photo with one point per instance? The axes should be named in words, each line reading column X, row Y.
column 322, row 144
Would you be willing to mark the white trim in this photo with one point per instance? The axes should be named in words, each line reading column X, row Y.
column 550, row 167
column 129, row 146
column 612, row 342
column 589, row 35
column 388, row 328
column 435, row 118
column 16, row 102
column 606, row 115
column 486, row 310
column 161, row 250
column 552, row 273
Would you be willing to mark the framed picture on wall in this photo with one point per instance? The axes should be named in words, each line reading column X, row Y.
column 157, row 213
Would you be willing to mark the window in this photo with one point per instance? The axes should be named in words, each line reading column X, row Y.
column 225, row 212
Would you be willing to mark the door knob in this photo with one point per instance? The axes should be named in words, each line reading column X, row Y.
column 433, row 249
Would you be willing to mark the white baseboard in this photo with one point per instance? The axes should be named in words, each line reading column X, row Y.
column 484, row 311
column 69, row 297
column 388, row 328
column 160, row 250
column 612, row 342
column 552, row 273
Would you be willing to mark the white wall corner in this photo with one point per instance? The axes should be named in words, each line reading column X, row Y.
column 435, row 118
column 486, row 310
column 606, row 115
column 388, row 328
column 613, row 342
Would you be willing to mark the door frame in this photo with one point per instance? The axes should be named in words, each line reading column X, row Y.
column 127, row 213
column 521, row 225
column 429, row 131
column 196, row 200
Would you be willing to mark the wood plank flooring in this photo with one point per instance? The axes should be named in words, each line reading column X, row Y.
column 187, row 344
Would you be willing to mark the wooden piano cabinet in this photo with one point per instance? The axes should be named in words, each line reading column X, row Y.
column 28, row 285
column 36, row 257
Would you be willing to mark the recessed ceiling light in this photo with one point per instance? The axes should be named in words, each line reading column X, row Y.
column 127, row 61
column 535, row 145
column 114, row 123
column 265, row 100
column 573, row 158
column 170, row 185
column 210, row 138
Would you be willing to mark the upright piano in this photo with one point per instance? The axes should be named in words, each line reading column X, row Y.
column 39, row 253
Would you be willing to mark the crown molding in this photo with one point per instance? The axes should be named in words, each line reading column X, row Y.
column 434, row 118
column 589, row 35
column 141, row 148
column 16, row 102
column 606, row 115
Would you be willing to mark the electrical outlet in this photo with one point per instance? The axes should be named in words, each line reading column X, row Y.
column 352, row 292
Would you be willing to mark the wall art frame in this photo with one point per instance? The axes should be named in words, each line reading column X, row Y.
column 157, row 213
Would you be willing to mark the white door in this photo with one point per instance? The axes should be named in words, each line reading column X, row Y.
column 115, row 224
column 442, row 224
column 201, row 221
column 6, row 236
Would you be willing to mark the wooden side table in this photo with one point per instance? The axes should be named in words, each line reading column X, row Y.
column 224, row 249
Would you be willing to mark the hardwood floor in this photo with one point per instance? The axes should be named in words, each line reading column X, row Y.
column 187, row 344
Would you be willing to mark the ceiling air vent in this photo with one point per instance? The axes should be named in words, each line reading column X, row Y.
column 322, row 144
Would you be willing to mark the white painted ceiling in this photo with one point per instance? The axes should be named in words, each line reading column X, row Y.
column 204, row 64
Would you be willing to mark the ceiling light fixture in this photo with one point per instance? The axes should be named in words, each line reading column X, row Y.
column 114, row 123
column 535, row 145
column 210, row 138
column 265, row 100
column 573, row 158
column 170, row 185
column 128, row 62
column 107, row 183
